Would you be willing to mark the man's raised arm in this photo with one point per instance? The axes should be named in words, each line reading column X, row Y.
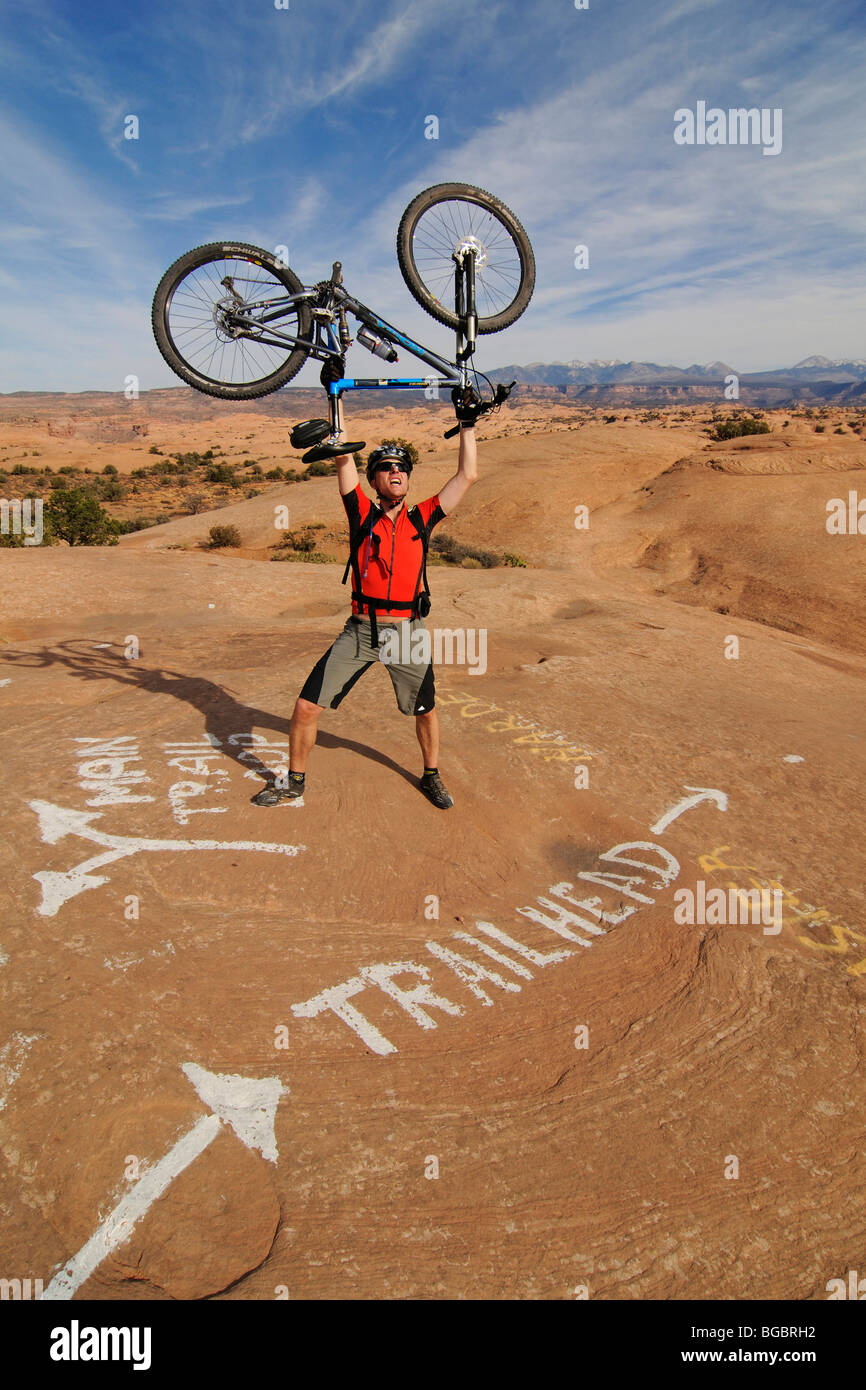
column 347, row 473
column 467, row 471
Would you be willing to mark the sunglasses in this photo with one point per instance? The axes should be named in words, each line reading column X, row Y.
column 393, row 463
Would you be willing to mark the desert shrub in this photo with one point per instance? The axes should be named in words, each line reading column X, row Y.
column 220, row 473
column 311, row 558
column 255, row 469
column 274, row 473
column 154, row 449
column 838, row 430
column 509, row 558
column 136, row 523
column 111, row 492
column 110, row 470
column 469, row 562
column 56, row 484
column 219, row 536
column 78, row 519
column 191, row 459
column 321, row 468
column 733, row 429
column 67, row 468
column 298, row 540
column 819, row 429
column 19, row 470
column 454, row 553
column 139, row 473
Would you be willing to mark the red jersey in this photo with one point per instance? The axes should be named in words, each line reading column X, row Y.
column 391, row 557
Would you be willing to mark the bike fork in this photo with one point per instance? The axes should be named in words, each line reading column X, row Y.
column 464, row 302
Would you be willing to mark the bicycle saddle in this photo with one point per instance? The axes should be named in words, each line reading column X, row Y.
column 309, row 432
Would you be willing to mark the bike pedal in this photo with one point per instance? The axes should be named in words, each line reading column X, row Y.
column 331, row 451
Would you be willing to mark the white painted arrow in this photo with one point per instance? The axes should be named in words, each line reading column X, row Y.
column 247, row 1104
column 55, row 822
column 701, row 794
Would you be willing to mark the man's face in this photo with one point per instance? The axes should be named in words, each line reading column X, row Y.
column 392, row 480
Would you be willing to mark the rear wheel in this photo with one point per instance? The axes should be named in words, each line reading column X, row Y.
column 453, row 216
column 207, row 321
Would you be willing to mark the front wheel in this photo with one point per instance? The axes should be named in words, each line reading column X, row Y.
column 451, row 217
column 221, row 315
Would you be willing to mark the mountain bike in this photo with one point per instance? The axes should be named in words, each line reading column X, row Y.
column 235, row 321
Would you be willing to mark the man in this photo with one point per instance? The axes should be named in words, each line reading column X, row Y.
column 387, row 561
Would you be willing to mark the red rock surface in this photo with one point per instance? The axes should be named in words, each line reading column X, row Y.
column 559, row 1166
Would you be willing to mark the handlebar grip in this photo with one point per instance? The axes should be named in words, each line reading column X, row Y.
column 449, row 434
column 337, row 273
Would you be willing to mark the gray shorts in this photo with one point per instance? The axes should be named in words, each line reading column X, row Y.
column 352, row 654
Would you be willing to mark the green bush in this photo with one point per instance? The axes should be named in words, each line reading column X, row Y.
column 220, row 473
column 733, row 429
column 19, row 470
column 220, row 536
column 819, row 429
column 110, row 470
column 321, row 468
column 313, row 558
column 454, row 553
column 154, row 449
column 274, row 473
column 56, row 484
column 69, row 469
column 111, row 492
column 78, row 519
column 509, row 558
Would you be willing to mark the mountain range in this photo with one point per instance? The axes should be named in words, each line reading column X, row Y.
column 600, row 372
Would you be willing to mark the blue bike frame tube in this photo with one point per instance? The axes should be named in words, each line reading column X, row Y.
column 371, row 320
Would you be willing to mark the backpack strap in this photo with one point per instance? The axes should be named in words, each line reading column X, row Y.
column 424, row 532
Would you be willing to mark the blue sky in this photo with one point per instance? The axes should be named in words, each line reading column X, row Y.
column 305, row 127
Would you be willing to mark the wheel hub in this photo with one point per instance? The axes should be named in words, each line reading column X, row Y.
column 223, row 311
column 472, row 243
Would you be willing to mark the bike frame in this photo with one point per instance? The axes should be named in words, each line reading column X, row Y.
column 327, row 344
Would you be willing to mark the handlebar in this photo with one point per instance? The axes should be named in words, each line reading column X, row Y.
column 501, row 394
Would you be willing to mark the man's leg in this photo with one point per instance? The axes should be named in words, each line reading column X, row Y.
column 330, row 680
column 427, row 729
column 305, row 726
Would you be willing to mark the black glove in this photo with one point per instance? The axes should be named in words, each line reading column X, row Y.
column 467, row 404
column 333, row 369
